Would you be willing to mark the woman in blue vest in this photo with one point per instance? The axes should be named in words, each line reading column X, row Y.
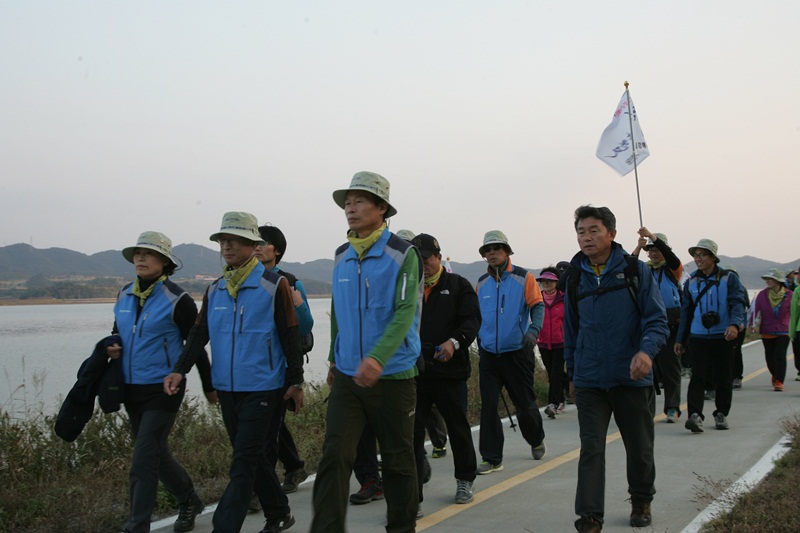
column 153, row 316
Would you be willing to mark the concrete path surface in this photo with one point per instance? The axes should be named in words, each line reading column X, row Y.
column 538, row 496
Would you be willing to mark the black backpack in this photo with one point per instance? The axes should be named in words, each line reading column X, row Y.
column 308, row 339
column 631, row 272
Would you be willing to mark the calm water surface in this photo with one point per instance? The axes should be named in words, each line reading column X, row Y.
column 42, row 346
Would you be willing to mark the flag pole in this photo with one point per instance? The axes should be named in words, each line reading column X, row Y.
column 633, row 146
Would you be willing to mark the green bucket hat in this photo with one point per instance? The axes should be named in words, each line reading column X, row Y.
column 406, row 234
column 369, row 182
column 152, row 240
column 774, row 273
column 240, row 224
column 495, row 236
column 708, row 245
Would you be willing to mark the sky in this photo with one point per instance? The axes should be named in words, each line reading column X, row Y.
column 122, row 117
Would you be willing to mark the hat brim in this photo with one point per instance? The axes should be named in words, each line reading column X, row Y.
column 340, row 195
column 482, row 249
column 129, row 252
column 778, row 280
column 238, row 233
column 693, row 249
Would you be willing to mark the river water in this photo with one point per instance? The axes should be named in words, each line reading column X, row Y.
column 42, row 347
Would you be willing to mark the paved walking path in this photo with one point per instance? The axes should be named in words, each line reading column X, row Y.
column 530, row 496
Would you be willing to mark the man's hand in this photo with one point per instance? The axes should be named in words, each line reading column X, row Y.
column 731, row 332
column 297, row 298
column 114, row 351
column 368, row 373
column 297, row 395
column 212, row 396
column 446, row 351
column 329, row 379
column 679, row 349
column 647, row 234
column 572, row 392
column 172, row 382
column 640, row 366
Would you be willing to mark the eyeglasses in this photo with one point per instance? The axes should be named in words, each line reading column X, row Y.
column 492, row 248
column 230, row 241
column 701, row 255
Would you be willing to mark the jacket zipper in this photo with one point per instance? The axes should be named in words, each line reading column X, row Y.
column 269, row 351
column 233, row 339
column 360, row 321
column 497, row 320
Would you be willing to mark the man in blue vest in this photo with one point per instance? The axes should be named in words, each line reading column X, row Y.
column 257, row 364
column 512, row 312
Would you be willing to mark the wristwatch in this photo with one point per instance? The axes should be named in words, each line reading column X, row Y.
column 456, row 345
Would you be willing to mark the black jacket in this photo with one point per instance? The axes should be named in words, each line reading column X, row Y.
column 450, row 311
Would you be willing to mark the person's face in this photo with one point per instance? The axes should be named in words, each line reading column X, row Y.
column 548, row 285
column 772, row 284
column 432, row 265
column 655, row 255
column 704, row 260
column 495, row 255
column 266, row 254
column 236, row 251
column 595, row 239
column 148, row 264
column 363, row 216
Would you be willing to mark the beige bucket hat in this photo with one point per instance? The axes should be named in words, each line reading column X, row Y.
column 152, row 240
column 369, row 182
column 651, row 244
column 774, row 273
column 708, row 245
column 240, row 224
column 495, row 236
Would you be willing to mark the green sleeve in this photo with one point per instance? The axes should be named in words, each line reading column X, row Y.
column 406, row 296
column 795, row 312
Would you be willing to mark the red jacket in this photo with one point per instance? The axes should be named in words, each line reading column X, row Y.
column 552, row 334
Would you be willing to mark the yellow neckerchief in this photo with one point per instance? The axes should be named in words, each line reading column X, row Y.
column 143, row 294
column 775, row 298
column 361, row 246
column 234, row 277
column 433, row 280
column 656, row 266
column 598, row 269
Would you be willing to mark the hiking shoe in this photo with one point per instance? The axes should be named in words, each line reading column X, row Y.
column 293, row 479
column 276, row 525
column 538, row 451
column 640, row 512
column 672, row 416
column 737, row 383
column 561, row 408
column 465, row 491
column 187, row 512
column 487, row 468
column 372, row 489
column 438, row 453
column 254, row 506
column 694, row 423
column 588, row 524
column 426, row 471
column 710, row 394
column 797, row 378
column 778, row 385
column 550, row 410
column 720, row 422
column 420, row 514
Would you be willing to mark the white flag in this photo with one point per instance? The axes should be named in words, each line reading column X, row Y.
column 616, row 146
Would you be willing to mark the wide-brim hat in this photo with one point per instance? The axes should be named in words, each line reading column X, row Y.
column 152, row 240
column 406, row 234
column 774, row 273
column 708, row 245
column 240, row 224
column 495, row 236
column 368, row 182
column 651, row 244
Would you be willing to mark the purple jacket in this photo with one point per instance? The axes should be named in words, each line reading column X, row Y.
column 774, row 321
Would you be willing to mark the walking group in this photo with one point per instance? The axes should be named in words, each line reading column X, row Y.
column 612, row 332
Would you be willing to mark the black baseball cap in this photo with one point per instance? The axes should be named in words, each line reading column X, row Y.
column 426, row 244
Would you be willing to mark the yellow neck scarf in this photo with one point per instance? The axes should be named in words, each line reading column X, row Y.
column 234, row 277
column 143, row 294
column 433, row 280
column 775, row 298
column 361, row 246
column 656, row 266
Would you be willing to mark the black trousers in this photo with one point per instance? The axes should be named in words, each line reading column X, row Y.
column 553, row 360
column 152, row 462
column 251, row 419
column 365, row 466
column 514, row 371
column 633, row 409
column 448, row 395
column 667, row 370
column 775, row 355
column 284, row 448
column 737, row 361
column 714, row 356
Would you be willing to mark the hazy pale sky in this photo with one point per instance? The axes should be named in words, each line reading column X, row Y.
column 117, row 118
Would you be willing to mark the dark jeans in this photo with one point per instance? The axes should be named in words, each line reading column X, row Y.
column 667, row 370
column 554, row 364
column 633, row 409
column 710, row 355
column 389, row 408
column 153, row 462
column 251, row 419
column 447, row 394
column 514, row 371
column 775, row 354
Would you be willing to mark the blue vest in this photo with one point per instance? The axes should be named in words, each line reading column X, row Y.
column 363, row 298
column 246, row 350
column 152, row 342
column 505, row 315
column 669, row 290
column 714, row 300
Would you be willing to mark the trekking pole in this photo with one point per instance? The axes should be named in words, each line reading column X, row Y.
column 510, row 418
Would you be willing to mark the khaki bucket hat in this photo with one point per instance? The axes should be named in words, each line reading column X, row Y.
column 774, row 273
column 406, row 234
column 152, row 240
column 369, row 182
column 495, row 236
column 706, row 244
column 240, row 224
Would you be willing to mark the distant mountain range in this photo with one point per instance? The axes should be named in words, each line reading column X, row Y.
column 22, row 261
